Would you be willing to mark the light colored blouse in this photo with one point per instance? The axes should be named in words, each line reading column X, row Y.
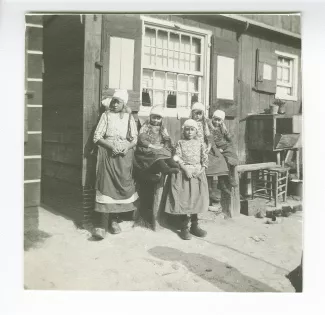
column 192, row 152
column 112, row 127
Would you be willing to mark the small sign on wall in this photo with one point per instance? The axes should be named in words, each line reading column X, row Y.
column 225, row 78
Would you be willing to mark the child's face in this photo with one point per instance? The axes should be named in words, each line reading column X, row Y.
column 155, row 120
column 216, row 121
column 116, row 105
column 189, row 132
column 197, row 115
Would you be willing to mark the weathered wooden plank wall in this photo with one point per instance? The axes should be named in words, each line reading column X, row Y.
column 33, row 120
column 284, row 21
column 63, row 112
column 252, row 101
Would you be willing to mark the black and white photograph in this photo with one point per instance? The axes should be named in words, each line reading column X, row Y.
column 163, row 152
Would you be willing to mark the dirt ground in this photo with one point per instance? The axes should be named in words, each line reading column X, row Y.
column 238, row 255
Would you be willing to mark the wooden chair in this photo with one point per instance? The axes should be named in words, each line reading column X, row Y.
column 271, row 183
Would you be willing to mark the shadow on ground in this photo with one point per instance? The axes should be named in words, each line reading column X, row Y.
column 219, row 274
column 34, row 238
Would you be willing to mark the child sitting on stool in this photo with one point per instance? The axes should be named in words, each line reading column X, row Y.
column 154, row 149
column 223, row 142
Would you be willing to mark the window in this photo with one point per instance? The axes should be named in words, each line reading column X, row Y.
column 174, row 67
column 287, row 76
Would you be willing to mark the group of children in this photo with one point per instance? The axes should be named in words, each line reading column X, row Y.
column 205, row 149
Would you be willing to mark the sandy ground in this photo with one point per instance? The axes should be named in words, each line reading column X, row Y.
column 238, row 255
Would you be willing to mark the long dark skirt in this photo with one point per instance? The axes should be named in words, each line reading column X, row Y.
column 115, row 186
column 187, row 196
column 144, row 158
column 217, row 163
column 229, row 153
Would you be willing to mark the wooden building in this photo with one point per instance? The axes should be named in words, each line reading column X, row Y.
column 238, row 63
column 33, row 119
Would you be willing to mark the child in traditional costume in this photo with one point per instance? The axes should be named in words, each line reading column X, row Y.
column 116, row 136
column 223, row 142
column 217, row 164
column 189, row 194
column 154, row 148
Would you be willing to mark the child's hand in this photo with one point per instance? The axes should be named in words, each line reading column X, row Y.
column 221, row 150
column 198, row 173
column 124, row 151
column 116, row 151
column 188, row 174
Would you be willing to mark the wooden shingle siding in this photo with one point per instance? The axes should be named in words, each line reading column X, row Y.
column 37, row 89
column 32, row 194
column 35, row 65
column 34, row 145
column 34, row 118
column 32, row 169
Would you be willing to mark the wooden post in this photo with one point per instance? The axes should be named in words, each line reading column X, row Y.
column 230, row 197
column 278, row 158
column 298, row 163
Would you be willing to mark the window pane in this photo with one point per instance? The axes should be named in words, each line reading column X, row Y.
column 159, row 81
column 182, row 83
column 171, row 81
column 159, row 62
column 182, row 61
column 181, row 99
column 195, row 63
column 286, row 75
column 165, row 58
column 286, row 62
column 152, row 56
column 194, row 98
column 162, row 39
column 187, row 62
column 147, row 79
column 146, row 97
column 283, row 91
column 146, row 56
column 171, row 100
column 193, row 84
column 185, row 43
column 196, row 45
column 150, row 37
column 176, row 60
column 158, row 98
column 174, row 41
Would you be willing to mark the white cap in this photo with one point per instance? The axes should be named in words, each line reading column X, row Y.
column 190, row 123
column 122, row 95
column 157, row 110
column 198, row 106
column 220, row 114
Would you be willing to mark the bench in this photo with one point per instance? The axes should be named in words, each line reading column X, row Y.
column 230, row 199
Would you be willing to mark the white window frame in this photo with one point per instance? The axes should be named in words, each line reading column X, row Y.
column 295, row 70
column 173, row 26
